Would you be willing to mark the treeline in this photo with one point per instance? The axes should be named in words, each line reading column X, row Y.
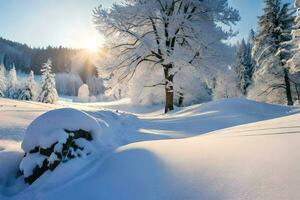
column 48, row 86
column 27, row 59
column 268, row 64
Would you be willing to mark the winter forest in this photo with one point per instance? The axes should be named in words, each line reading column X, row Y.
column 150, row 99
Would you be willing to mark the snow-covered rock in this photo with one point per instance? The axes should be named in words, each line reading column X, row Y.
column 58, row 136
column 48, row 128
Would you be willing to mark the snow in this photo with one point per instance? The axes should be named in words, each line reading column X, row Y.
column 29, row 163
column 10, row 157
column 227, row 149
column 49, row 128
column 83, row 93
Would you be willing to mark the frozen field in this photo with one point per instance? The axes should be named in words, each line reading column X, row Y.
column 228, row 149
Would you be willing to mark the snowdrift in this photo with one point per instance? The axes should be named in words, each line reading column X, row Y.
column 211, row 116
column 259, row 160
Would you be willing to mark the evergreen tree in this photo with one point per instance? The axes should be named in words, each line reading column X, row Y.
column 270, row 52
column 28, row 92
column 266, row 38
column 2, row 81
column 243, row 66
column 251, row 40
column 48, row 92
column 12, row 83
column 294, row 61
column 286, row 20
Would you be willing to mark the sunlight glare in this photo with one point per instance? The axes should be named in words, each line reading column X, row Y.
column 91, row 46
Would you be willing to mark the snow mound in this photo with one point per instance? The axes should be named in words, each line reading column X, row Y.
column 57, row 137
column 9, row 160
column 239, row 105
column 212, row 116
column 247, row 106
column 47, row 128
column 118, row 127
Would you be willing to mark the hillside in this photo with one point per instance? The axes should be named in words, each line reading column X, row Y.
column 224, row 159
column 26, row 58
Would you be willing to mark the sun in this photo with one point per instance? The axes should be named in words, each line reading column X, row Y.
column 91, row 46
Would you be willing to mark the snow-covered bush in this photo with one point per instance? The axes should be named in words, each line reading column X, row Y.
column 48, row 92
column 56, row 137
column 28, row 91
column 83, row 93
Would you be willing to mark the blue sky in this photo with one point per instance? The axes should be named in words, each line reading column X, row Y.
column 249, row 10
column 69, row 22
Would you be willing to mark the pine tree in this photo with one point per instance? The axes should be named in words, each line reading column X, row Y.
column 12, row 83
column 2, row 81
column 286, row 20
column 270, row 52
column 48, row 92
column 294, row 61
column 243, row 66
column 251, row 40
column 266, row 38
column 28, row 92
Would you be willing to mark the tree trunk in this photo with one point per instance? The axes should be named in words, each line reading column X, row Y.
column 169, row 88
column 297, row 92
column 180, row 99
column 288, row 88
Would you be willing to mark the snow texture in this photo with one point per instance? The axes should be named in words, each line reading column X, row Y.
column 49, row 128
column 232, row 156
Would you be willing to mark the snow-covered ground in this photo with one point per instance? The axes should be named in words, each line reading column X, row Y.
column 228, row 149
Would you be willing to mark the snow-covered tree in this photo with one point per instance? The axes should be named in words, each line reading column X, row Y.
column 265, row 39
column 271, row 51
column 294, row 61
column 165, row 34
column 226, row 85
column 251, row 38
column 68, row 83
column 2, row 81
column 96, row 85
column 12, row 83
column 28, row 91
column 243, row 66
column 48, row 92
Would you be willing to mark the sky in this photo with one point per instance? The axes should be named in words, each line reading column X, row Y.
column 68, row 23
